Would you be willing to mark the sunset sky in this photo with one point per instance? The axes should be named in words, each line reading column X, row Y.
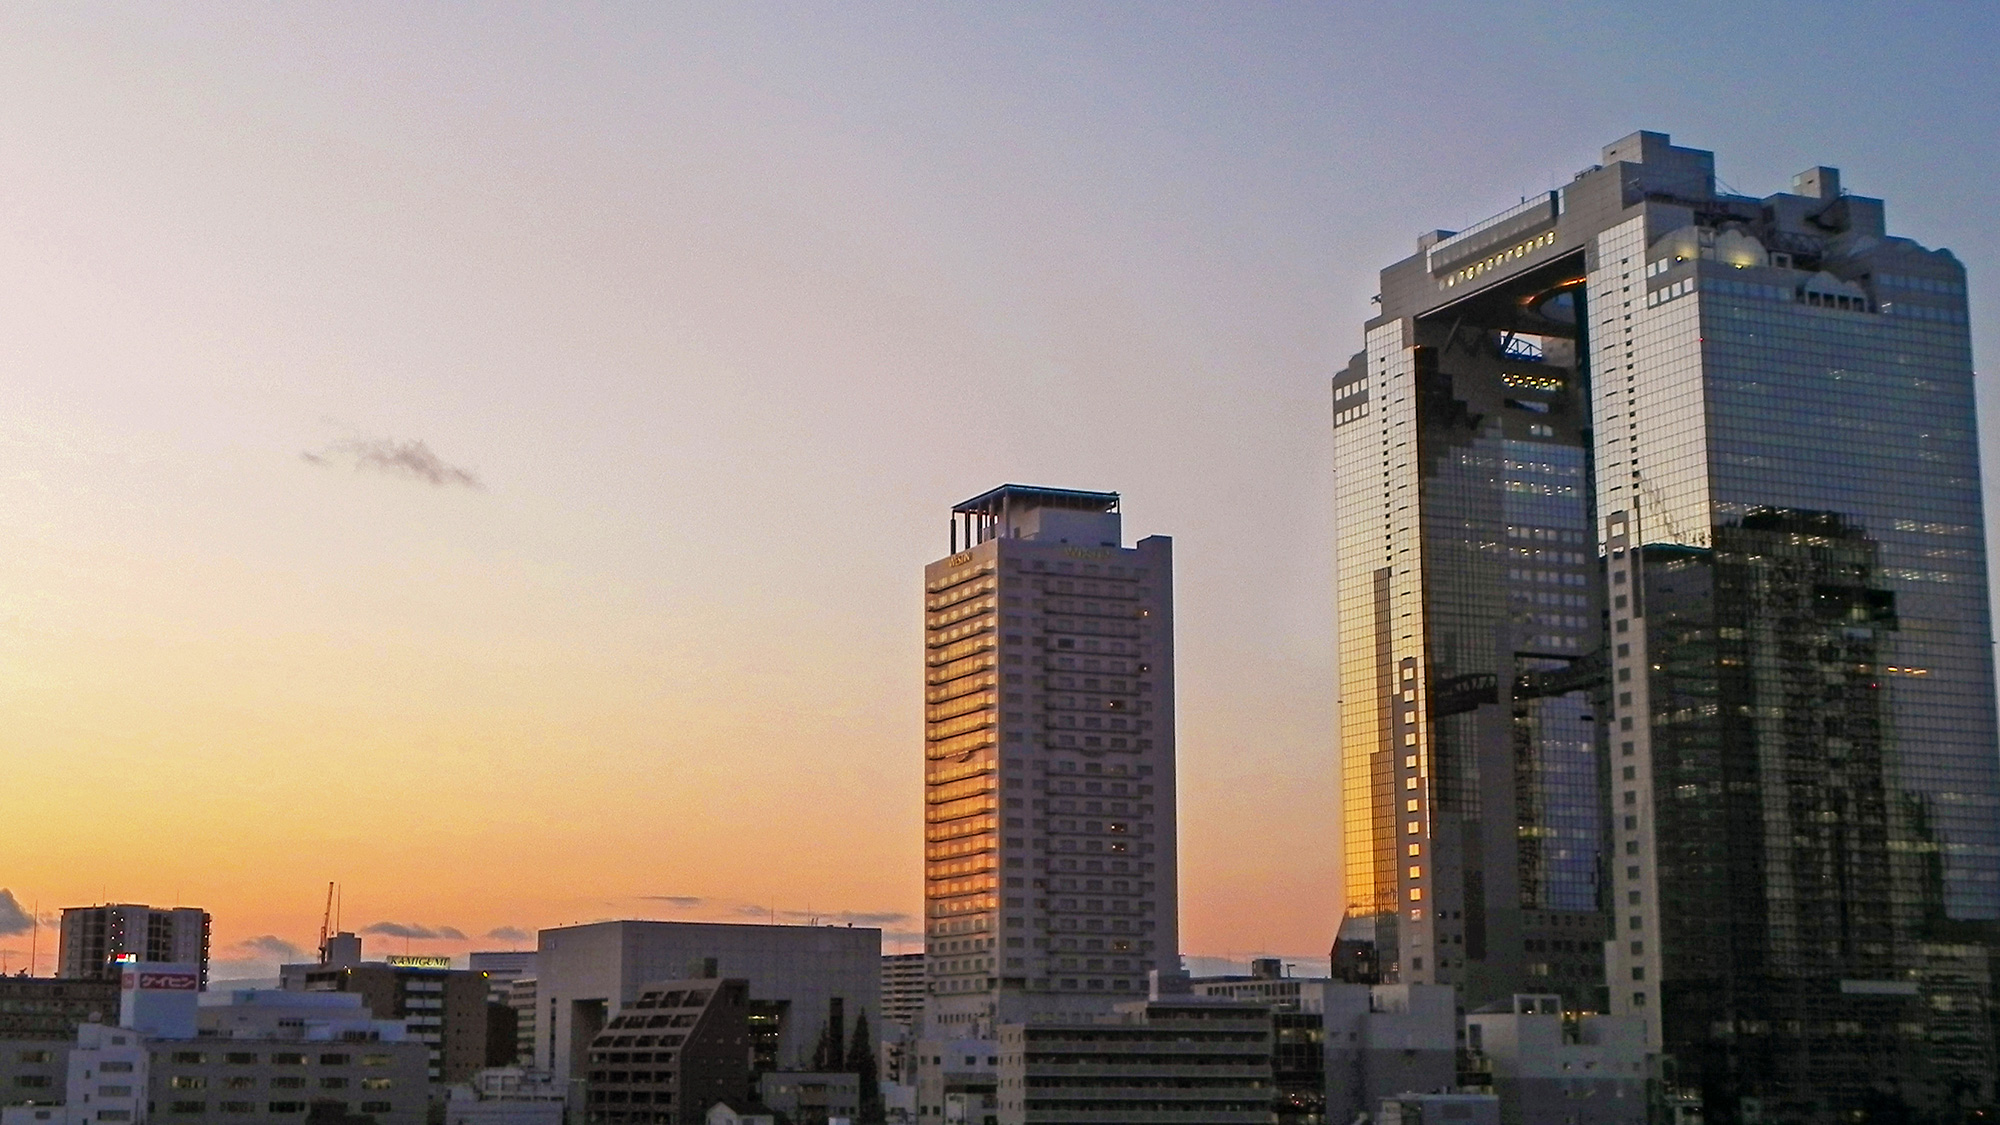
column 486, row 455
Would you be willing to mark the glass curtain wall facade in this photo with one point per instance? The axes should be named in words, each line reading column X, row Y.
column 1470, row 656
column 1784, row 669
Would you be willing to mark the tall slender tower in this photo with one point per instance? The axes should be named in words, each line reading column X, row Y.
column 1665, row 663
column 1049, row 859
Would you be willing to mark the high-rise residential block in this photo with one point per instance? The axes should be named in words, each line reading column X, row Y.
column 94, row 939
column 1050, row 881
column 1665, row 670
column 903, row 987
column 1049, row 861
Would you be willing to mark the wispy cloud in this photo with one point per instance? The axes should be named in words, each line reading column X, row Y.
column 13, row 918
column 864, row 918
column 271, row 945
column 895, row 925
column 415, row 932
column 508, row 933
column 828, row 918
column 412, row 458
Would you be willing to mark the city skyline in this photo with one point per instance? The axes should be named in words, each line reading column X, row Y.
column 396, row 467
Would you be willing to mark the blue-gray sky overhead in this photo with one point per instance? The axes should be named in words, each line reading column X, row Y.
column 635, row 354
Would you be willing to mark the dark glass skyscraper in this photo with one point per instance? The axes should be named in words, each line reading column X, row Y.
column 1666, row 678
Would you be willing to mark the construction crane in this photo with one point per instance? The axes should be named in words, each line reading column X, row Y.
column 326, row 924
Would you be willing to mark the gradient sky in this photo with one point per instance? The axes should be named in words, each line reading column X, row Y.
column 705, row 315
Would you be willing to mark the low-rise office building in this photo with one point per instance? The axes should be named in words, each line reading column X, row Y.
column 1546, row 1065
column 1339, row 1048
column 442, row 1007
column 248, row 1055
column 1186, row 1059
column 1444, row 1108
column 1387, row 1039
column 740, row 1113
column 45, row 1008
column 32, row 1070
column 38, row 1021
column 502, row 968
column 802, row 980
column 115, row 1070
column 811, row 1097
column 957, row 1080
column 506, row 1096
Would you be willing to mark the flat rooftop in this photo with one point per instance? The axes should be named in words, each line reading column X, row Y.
column 1032, row 496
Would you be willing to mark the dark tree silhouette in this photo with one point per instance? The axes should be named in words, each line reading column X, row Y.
column 861, row 1063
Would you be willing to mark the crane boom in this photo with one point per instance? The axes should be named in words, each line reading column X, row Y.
column 326, row 924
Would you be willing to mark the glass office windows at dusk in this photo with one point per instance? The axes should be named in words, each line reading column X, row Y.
column 1789, row 865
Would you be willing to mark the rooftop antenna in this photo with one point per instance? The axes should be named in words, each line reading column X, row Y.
column 34, row 934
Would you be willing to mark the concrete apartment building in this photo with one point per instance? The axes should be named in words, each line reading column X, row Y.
column 93, row 939
column 1665, row 655
column 176, row 1054
column 1200, row 1061
column 799, row 979
column 38, row 1021
column 1545, row 1065
column 521, row 993
column 670, row 1054
column 52, row 1007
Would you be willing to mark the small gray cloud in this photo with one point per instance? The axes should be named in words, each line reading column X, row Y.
column 864, row 918
column 675, row 900
column 415, row 932
column 829, row 918
column 224, row 972
column 412, row 458
column 508, row 933
column 271, row 945
column 14, row 919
